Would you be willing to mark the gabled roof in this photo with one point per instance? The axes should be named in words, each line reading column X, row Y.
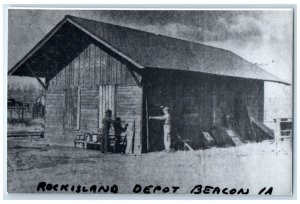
column 145, row 49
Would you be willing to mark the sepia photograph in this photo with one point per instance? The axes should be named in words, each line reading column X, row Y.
column 150, row 101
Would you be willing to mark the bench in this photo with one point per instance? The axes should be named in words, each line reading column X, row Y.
column 93, row 140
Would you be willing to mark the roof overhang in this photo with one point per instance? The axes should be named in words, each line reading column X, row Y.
column 57, row 49
column 213, row 74
column 68, row 38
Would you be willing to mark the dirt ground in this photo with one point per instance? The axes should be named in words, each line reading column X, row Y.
column 251, row 166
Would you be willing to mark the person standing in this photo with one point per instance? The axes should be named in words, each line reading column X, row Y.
column 167, row 126
column 106, row 125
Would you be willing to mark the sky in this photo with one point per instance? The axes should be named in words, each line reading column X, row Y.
column 264, row 37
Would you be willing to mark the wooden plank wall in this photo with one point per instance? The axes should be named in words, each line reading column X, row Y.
column 72, row 108
column 89, row 109
column 253, row 96
column 199, row 102
column 55, row 113
column 224, row 92
column 106, row 101
column 54, row 117
column 189, row 98
column 95, row 72
column 160, row 92
column 191, row 109
column 129, row 108
column 92, row 67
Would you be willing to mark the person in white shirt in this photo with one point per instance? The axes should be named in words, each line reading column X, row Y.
column 167, row 126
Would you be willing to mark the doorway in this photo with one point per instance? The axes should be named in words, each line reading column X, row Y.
column 106, row 101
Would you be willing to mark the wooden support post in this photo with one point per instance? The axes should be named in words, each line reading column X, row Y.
column 147, row 124
column 214, row 104
column 252, row 128
column 133, row 137
column 39, row 80
column 78, row 108
column 47, row 81
column 135, row 77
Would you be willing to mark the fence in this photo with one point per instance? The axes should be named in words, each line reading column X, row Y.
column 25, row 112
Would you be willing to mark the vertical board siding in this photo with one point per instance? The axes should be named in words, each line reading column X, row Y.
column 254, row 99
column 200, row 102
column 97, row 66
column 76, row 71
column 87, row 67
column 92, row 64
column 89, row 109
column 106, row 101
column 188, row 98
column 128, row 106
column 78, row 108
column 72, row 108
column 197, row 103
column 93, row 67
column 208, row 104
column 191, row 109
column 261, row 102
column 100, row 106
column 81, row 68
column 54, row 108
column 54, row 117
column 97, row 74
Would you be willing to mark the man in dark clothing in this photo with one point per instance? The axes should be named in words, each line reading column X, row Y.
column 106, row 122
column 120, row 142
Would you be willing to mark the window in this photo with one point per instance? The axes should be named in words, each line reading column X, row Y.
column 72, row 108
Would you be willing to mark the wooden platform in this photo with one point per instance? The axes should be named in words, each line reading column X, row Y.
column 25, row 134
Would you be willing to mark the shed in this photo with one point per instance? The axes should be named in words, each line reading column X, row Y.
column 90, row 66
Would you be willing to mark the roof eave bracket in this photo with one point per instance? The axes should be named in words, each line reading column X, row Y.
column 136, row 79
column 45, row 86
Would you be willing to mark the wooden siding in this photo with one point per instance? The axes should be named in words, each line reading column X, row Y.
column 54, row 115
column 199, row 102
column 129, row 108
column 92, row 67
column 89, row 109
column 95, row 72
column 72, row 108
column 106, row 101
